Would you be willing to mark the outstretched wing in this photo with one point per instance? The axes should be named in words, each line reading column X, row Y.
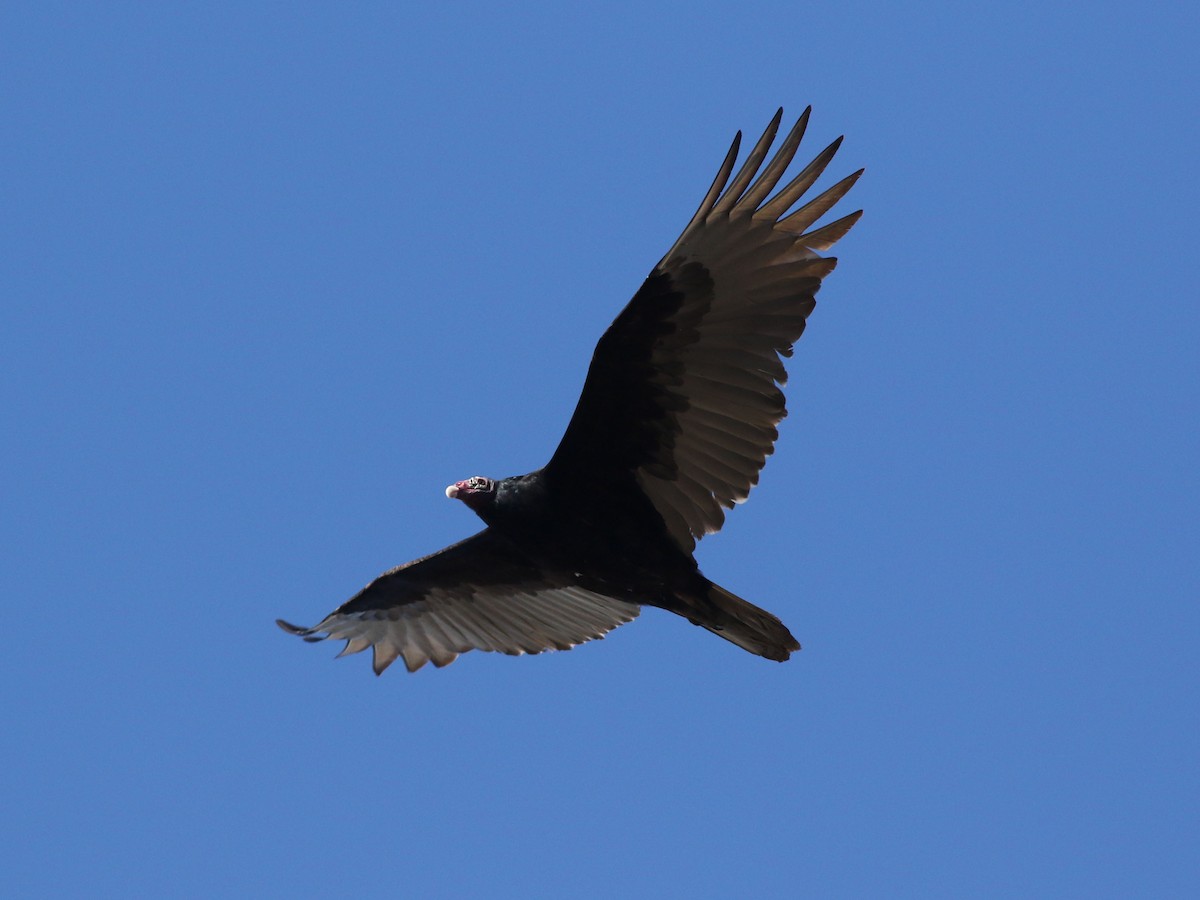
column 478, row 594
column 684, row 388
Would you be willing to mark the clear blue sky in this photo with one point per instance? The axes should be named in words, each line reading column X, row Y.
column 274, row 275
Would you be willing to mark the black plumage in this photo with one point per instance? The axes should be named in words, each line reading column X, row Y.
column 676, row 419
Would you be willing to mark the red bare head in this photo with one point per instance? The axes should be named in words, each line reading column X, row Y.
column 476, row 491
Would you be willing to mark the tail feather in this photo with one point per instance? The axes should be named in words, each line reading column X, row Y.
column 741, row 622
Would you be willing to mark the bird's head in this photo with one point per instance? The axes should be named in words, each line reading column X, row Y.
column 477, row 492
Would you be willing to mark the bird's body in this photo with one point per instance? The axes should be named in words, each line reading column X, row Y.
column 557, row 529
column 676, row 418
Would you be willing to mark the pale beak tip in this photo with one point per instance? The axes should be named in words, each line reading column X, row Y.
column 452, row 491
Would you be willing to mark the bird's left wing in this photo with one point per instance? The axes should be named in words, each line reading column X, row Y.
column 684, row 390
column 478, row 594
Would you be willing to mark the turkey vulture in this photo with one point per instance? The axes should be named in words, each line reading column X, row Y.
column 677, row 416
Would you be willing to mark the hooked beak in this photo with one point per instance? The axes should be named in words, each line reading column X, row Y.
column 452, row 492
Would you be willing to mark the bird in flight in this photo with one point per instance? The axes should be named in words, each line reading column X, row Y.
column 676, row 419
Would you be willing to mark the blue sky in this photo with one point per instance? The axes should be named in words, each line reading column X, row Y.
column 274, row 275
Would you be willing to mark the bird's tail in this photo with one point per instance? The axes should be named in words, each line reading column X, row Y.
column 742, row 623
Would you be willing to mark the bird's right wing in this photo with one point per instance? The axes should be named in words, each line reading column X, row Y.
column 478, row 594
